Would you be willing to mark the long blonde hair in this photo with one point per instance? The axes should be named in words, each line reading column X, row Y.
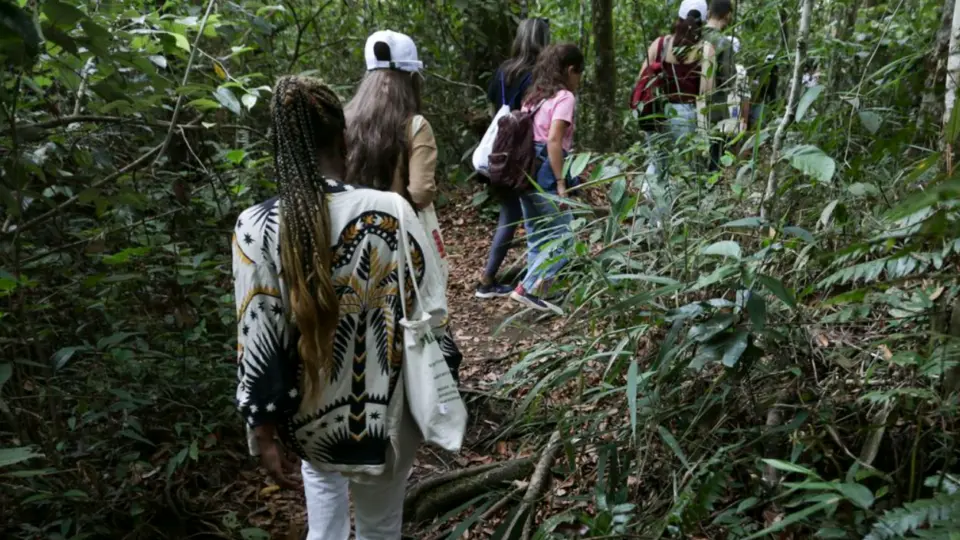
column 307, row 118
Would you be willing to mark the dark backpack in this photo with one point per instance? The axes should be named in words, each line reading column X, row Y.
column 645, row 93
column 513, row 157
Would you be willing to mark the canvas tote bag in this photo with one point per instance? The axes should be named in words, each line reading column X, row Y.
column 431, row 391
column 428, row 218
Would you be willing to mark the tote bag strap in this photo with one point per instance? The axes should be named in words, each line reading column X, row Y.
column 405, row 261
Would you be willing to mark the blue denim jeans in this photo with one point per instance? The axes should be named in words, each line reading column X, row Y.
column 510, row 216
column 548, row 229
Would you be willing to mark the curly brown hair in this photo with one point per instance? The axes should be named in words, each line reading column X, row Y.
column 550, row 73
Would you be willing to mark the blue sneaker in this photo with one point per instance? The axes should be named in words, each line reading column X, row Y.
column 494, row 290
column 534, row 302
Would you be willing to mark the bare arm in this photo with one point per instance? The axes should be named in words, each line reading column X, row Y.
column 555, row 153
column 708, row 69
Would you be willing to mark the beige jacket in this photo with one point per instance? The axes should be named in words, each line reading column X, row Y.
column 419, row 187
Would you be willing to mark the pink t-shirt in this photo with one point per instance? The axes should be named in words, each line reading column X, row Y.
column 560, row 107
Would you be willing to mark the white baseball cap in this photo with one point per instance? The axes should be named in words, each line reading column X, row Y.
column 401, row 52
column 690, row 5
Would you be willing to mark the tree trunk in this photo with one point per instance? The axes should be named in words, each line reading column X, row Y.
column 953, row 73
column 582, row 28
column 606, row 74
column 844, row 27
column 935, row 64
column 803, row 32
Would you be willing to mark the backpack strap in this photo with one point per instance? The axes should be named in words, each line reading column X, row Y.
column 415, row 124
column 503, row 89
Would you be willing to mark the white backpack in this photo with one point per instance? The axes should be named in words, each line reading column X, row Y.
column 481, row 155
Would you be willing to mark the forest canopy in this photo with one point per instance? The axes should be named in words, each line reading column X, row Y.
column 764, row 350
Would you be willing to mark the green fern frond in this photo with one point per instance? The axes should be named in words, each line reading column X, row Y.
column 940, row 515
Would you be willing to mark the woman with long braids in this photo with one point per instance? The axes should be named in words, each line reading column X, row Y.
column 320, row 350
column 390, row 144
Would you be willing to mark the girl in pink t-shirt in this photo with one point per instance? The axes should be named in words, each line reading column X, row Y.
column 556, row 78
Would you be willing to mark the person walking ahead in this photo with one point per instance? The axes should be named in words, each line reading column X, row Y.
column 390, row 145
column 320, row 347
column 717, row 74
column 681, row 61
column 508, row 87
column 556, row 78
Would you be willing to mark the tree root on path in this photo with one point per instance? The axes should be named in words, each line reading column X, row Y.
column 442, row 493
column 538, row 485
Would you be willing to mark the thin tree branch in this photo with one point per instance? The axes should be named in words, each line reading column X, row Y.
column 138, row 163
column 801, row 53
column 186, row 78
column 100, row 235
column 301, row 30
column 456, row 83
column 89, row 118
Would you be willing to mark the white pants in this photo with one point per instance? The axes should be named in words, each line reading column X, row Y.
column 378, row 507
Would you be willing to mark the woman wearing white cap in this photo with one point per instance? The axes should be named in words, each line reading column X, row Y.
column 385, row 150
column 679, row 55
column 390, row 146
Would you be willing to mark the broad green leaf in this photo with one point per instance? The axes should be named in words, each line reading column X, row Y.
column 707, row 353
column 871, row 121
column 801, row 233
column 794, row 518
column 204, row 104
column 704, row 331
column 671, row 442
column 249, row 100
column 236, row 156
column 61, row 357
column 757, row 309
column 723, row 248
column 859, row 494
column 62, row 14
column 159, row 60
column 748, row 222
column 265, row 10
column 734, row 347
column 828, row 212
column 807, row 99
column 786, row 466
column 181, row 41
column 58, row 37
column 20, row 40
column 632, row 373
column 114, row 339
column 617, row 190
column 579, row 164
column 12, row 456
column 811, row 161
column 227, row 99
column 776, row 287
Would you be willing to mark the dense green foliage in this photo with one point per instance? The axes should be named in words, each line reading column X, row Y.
column 814, row 349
